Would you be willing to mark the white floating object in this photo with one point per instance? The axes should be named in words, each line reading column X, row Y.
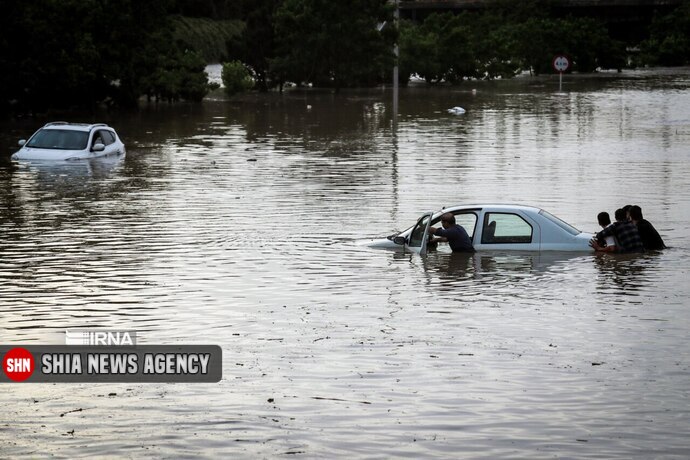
column 456, row 110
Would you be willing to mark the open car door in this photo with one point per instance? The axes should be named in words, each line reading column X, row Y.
column 419, row 237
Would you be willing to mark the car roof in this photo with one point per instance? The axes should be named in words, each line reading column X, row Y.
column 493, row 206
column 74, row 126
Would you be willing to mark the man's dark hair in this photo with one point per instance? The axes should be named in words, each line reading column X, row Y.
column 627, row 207
column 448, row 217
column 621, row 215
column 603, row 218
column 635, row 212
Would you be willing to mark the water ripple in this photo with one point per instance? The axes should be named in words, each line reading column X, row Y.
column 240, row 225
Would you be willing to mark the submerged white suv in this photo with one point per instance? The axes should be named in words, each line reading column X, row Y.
column 70, row 141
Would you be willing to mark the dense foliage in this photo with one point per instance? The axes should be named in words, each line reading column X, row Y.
column 447, row 47
column 333, row 43
column 348, row 43
column 63, row 53
column 236, row 78
column 206, row 36
column 256, row 45
column 321, row 42
column 669, row 40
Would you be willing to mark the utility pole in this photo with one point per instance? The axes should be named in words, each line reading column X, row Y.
column 396, row 53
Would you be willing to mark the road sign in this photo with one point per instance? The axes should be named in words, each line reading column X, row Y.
column 561, row 63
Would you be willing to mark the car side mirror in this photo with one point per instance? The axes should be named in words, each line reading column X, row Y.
column 98, row 147
column 399, row 240
column 21, row 142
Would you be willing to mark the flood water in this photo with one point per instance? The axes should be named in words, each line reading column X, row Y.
column 238, row 223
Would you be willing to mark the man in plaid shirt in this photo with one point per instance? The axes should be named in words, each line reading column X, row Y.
column 626, row 234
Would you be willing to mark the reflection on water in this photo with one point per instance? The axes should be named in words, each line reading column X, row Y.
column 628, row 274
column 237, row 223
column 490, row 267
column 69, row 172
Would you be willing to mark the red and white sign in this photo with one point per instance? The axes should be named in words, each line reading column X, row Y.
column 18, row 364
column 561, row 63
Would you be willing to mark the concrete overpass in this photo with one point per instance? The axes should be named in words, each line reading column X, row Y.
column 626, row 20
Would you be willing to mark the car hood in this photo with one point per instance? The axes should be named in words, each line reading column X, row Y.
column 28, row 153
column 383, row 243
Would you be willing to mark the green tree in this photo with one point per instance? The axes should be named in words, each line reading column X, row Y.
column 40, row 66
column 440, row 49
column 456, row 49
column 64, row 53
column 494, row 53
column 236, row 78
column 178, row 75
column 333, row 43
column 419, row 52
column 502, row 40
column 669, row 40
column 206, row 36
column 133, row 38
column 536, row 41
column 584, row 40
column 256, row 46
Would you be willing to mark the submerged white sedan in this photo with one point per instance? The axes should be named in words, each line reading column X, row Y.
column 499, row 227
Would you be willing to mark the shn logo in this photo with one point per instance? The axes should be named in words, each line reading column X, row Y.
column 102, row 338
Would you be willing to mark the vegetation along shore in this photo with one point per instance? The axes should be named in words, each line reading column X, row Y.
column 85, row 53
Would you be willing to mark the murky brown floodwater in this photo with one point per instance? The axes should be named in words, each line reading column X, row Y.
column 236, row 223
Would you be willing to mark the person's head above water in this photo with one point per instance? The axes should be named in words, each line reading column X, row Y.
column 604, row 219
column 621, row 215
column 635, row 213
column 448, row 218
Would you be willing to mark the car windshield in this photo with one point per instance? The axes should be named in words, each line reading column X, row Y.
column 60, row 139
column 564, row 225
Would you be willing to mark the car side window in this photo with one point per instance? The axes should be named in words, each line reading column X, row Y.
column 102, row 137
column 108, row 137
column 468, row 221
column 97, row 138
column 503, row 228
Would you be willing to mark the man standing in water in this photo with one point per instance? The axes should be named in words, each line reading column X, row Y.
column 651, row 240
column 453, row 234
